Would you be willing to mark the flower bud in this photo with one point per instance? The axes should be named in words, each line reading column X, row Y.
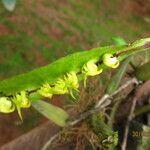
column 6, row 106
column 110, row 61
column 90, row 69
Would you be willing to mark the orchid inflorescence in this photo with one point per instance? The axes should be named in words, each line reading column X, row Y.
column 62, row 86
column 66, row 84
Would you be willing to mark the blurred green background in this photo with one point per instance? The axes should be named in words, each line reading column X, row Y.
column 38, row 32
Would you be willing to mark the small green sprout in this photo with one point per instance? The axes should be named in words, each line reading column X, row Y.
column 46, row 91
column 111, row 140
column 90, row 69
column 6, row 106
column 110, row 61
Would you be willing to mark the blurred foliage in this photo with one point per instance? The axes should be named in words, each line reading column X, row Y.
column 118, row 41
column 45, row 31
column 9, row 4
column 52, row 112
column 142, row 72
column 117, row 77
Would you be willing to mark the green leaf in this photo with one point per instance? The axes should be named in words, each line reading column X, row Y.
column 115, row 82
column 9, row 4
column 143, row 73
column 117, row 77
column 118, row 41
column 53, row 113
column 50, row 73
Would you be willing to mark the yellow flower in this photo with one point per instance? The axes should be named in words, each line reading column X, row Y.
column 6, row 106
column 66, row 84
column 60, row 87
column 71, row 80
column 25, row 102
column 110, row 61
column 90, row 69
column 21, row 101
column 46, row 91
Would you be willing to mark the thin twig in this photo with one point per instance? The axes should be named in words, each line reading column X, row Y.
column 102, row 103
column 116, row 105
column 48, row 143
column 86, row 114
column 124, row 142
column 132, row 81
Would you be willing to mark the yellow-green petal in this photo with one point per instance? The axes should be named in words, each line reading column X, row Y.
column 110, row 61
column 6, row 106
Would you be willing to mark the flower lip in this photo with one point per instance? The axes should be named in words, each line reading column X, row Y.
column 110, row 60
